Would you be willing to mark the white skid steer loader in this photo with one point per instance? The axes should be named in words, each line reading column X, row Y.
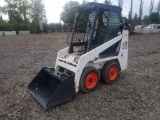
column 98, row 49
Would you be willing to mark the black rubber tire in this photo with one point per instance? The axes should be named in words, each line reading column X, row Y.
column 84, row 75
column 105, row 72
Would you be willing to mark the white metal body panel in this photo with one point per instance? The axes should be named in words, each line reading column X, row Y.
column 123, row 53
column 91, row 58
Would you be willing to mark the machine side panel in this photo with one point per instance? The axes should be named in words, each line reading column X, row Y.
column 123, row 54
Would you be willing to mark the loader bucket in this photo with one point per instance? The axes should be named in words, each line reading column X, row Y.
column 51, row 88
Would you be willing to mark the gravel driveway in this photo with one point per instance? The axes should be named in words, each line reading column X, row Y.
column 136, row 96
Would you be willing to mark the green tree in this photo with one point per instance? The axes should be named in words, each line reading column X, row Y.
column 64, row 27
column 0, row 9
column 58, row 27
column 136, row 19
column 151, row 7
column 67, row 15
column 146, row 19
column 154, row 17
column 17, row 10
column 120, row 3
column 141, row 10
column 108, row 2
column 130, row 12
column 11, row 9
column 52, row 27
column 85, row 1
column 129, row 17
column 38, row 11
column 55, row 27
column 24, row 9
column 158, row 7
column 1, row 19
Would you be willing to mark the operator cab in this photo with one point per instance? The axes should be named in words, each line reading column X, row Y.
column 94, row 24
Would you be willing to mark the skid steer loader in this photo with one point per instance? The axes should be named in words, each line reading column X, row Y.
column 98, row 49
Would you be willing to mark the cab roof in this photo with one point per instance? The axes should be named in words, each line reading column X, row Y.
column 94, row 5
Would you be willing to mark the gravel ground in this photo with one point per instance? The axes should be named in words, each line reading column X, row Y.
column 135, row 96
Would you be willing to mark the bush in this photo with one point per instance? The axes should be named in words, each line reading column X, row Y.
column 55, row 27
column 14, row 27
column 45, row 27
column 52, row 27
column 20, row 27
column 33, row 27
column 6, row 27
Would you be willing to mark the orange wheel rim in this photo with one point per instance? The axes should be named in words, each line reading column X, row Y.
column 91, row 80
column 113, row 73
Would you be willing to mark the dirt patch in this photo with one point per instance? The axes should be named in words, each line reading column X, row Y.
column 135, row 96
